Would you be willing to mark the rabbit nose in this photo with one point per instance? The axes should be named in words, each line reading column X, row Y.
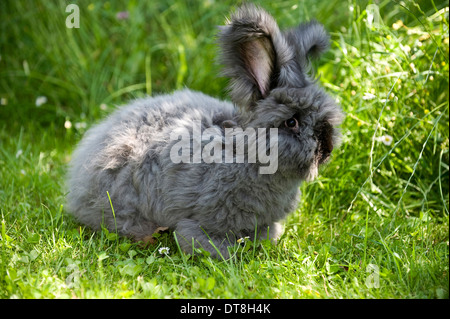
column 324, row 142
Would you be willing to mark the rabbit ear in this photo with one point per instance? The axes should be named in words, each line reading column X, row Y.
column 309, row 40
column 250, row 54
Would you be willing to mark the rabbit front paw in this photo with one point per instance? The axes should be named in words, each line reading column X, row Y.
column 191, row 236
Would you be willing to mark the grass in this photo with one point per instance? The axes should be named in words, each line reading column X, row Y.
column 374, row 224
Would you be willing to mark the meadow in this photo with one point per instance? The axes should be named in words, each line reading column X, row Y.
column 374, row 224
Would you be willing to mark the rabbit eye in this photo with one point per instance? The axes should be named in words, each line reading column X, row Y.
column 291, row 123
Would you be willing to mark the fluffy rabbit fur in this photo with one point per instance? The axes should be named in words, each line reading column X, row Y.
column 212, row 205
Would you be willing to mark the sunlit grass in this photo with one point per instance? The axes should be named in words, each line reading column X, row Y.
column 382, row 200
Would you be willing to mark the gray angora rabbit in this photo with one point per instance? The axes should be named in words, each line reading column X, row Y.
column 188, row 162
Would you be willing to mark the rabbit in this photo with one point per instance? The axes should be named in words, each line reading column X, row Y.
column 123, row 175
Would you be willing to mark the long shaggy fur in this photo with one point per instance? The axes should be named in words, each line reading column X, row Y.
column 212, row 205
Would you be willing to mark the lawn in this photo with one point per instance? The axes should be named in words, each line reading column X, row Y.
column 374, row 224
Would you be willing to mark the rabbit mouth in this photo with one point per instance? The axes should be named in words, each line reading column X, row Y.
column 310, row 171
column 313, row 172
column 322, row 156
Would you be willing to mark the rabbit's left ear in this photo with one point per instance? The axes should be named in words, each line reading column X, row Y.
column 310, row 40
column 250, row 52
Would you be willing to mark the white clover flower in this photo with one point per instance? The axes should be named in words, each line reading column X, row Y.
column 164, row 250
column 405, row 48
column 41, row 100
column 397, row 25
column 67, row 124
column 80, row 125
column 369, row 96
column 385, row 139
